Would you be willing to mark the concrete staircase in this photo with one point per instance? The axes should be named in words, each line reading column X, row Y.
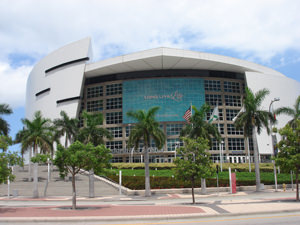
column 56, row 187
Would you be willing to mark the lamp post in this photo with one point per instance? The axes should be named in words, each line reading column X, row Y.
column 48, row 162
column 131, row 155
column 176, row 146
column 272, row 146
column 131, row 152
column 221, row 156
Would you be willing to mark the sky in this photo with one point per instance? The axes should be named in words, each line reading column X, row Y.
column 266, row 32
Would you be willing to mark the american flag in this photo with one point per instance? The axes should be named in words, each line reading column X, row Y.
column 187, row 115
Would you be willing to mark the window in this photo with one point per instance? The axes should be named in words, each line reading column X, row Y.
column 251, row 144
column 140, row 147
column 230, row 86
column 81, row 106
column 216, row 145
column 81, row 122
column 174, row 129
column 212, row 85
column 113, row 89
column 215, row 157
column 231, row 113
column 243, row 88
column 154, row 147
column 114, row 118
column 233, row 100
column 213, row 99
column 116, row 159
column 94, row 106
column 221, row 125
column 211, row 111
column 128, row 129
column 114, row 146
column 232, row 131
column 93, row 92
column 114, row 103
column 116, row 131
column 236, row 144
column 172, row 144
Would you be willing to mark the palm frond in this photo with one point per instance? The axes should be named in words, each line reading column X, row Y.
column 285, row 110
column 5, row 109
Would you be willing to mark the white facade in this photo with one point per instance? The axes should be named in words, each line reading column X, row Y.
column 62, row 83
column 56, row 82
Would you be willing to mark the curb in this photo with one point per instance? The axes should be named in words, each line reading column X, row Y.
column 138, row 218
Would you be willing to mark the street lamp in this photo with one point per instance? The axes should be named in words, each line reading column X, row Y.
column 221, row 156
column 272, row 146
column 131, row 155
column 176, row 146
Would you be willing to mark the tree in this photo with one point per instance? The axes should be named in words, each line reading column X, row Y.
column 24, row 148
column 288, row 157
column 66, row 126
column 80, row 156
column 199, row 126
column 146, row 129
column 38, row 134
column 253, row 119
column 42, row 158
column 293, row 112
column 93, row 133
column 194, row 162
column 6, row 161
column 4, row 126
column 5, row 141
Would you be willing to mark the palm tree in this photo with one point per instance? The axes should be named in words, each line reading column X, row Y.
column 18, row 139
column 253, row 119
column 293, row 112
column 4, row 126
column 93, row 133
column 146, row 128
column 199, row 126
column 37, row 134
column 66, row 126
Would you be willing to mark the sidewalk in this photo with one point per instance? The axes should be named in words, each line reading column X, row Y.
column 120, row 208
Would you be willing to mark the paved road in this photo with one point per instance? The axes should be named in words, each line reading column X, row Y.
column 259, row 219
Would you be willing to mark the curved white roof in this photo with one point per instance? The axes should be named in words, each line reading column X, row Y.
column 169, row 58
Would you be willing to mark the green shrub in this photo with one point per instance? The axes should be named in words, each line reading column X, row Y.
column 157, row 182
column 239, row 167
column 152, row 166
column 138, row 182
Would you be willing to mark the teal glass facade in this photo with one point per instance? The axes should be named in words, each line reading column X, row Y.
column 172, row 95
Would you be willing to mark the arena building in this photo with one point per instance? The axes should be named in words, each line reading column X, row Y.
column 68, row 79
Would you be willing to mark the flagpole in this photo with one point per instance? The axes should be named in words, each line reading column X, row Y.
column 220, row 146
column 192, row 112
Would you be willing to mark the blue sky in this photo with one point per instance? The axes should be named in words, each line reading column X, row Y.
column 262, row 31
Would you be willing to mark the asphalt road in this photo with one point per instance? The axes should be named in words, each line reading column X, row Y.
column 266, row 219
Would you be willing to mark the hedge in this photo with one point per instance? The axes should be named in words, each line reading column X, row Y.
column 152, row 166
column 239, row 167
column 138, row 182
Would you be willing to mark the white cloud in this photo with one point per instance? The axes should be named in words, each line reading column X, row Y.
column 258, row 29
column 13, row 84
